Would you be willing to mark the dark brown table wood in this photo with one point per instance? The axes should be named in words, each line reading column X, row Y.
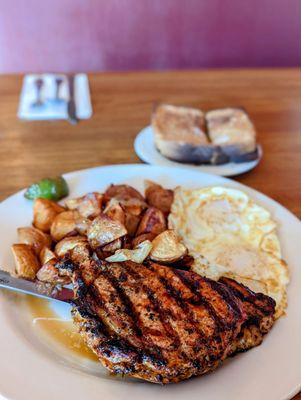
column 122, row 104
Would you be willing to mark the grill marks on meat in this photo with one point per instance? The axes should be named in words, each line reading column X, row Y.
column 260, row 311
column 162, row 324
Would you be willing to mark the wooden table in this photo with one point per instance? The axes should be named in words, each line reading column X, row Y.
column 122, row 105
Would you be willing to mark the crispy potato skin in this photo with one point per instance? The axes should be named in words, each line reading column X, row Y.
column 63, row 225
column 80, row 254
column 167, row 248
column 129, row 198
column 82, row 224
column 124, row 192
column 113, row 246
column 89, row 206
column 158, row 197
column 115, row 211
column 27, row 264
column 153, row 221
column 46, row 255
column 44, row 213
column 34, row 237
column 68, row 243
column 104, row 230
column 141, row 238
column 131, row 223
column 50, row 274
column 133, row 206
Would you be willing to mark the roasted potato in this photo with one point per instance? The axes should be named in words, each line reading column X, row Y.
column 63, row 224
column 115, row 211
column 87, row 206
column 133, row 206
column 27, row 263
column 80, row 253
column 44, row 212
column 68, row 243
column 158, row 197
column 141, row 238
column 34, row 237
column 131, row 223
column 167, row 248
column 46, row 255
column 137, row 255
column 50, row 274
column 128, row 197
column 122, row 192
column 82, row 224
column 153, row 221
column 113, row 246
column 104, row 230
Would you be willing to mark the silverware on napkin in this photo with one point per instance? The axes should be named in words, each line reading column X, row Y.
column 10, row 282
column 71, row 107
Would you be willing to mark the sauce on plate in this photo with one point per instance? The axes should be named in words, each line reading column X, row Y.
column 60, row 330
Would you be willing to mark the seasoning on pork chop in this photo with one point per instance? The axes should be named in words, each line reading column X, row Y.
column 158, row 323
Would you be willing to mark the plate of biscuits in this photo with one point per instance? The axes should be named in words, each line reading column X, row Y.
column 220, row 141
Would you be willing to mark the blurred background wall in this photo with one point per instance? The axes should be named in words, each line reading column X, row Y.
column 94, row 35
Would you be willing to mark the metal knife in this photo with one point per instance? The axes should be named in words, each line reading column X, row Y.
column 21, row 285
column 71, row 107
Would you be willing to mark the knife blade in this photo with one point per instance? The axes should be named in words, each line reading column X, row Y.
column 71, row 107
column 10, row 282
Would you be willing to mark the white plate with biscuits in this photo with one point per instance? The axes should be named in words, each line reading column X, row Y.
column 146, row 150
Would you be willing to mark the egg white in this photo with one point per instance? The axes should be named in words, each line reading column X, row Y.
column 228, row 234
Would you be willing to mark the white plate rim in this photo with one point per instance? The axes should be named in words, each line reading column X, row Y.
column 119, row 389
column 147, row 152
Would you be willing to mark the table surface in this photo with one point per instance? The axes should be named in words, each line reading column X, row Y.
column 122, row 103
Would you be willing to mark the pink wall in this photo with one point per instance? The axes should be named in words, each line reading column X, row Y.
column 90, row 35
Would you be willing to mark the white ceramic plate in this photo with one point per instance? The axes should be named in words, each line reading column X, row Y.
column 30, row 368
column 147, row 152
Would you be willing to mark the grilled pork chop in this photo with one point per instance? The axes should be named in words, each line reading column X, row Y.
column 162, row 324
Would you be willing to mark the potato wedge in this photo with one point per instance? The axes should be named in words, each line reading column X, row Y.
column 63, row 225
column 115, row 211
column 141, row 238
column 104, row 230
column 87, row 206
column 46, row 255
column 122, row 192
column 158, row 197
column 27, row 263
column 68, row 243
column 153, row 221
column 50, row 274
column 167, row 248
column 44, row 212
column 137, row 255
column 113, row 246
column 34, row 237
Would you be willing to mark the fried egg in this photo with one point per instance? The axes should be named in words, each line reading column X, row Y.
column 228, row 234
